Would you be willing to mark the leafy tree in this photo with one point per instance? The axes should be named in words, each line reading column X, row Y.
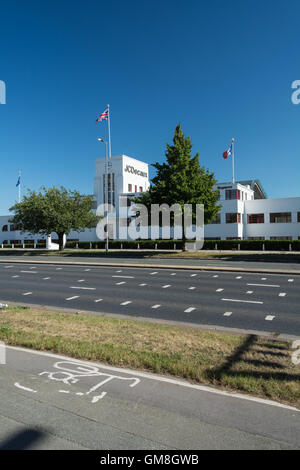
column 54, row 210
column 182, row 180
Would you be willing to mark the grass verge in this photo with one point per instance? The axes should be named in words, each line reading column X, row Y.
column 249, row 364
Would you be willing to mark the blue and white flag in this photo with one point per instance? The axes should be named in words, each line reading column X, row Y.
column 18, row 182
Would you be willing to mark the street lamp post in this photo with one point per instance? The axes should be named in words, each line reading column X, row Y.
column 106, row 191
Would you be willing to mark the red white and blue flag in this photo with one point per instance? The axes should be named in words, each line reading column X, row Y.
column 103, row 116
column 227, row 153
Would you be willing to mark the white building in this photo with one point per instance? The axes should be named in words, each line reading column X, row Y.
column 246, row 212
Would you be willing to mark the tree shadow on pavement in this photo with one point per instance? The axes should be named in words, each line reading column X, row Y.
column 22, row 440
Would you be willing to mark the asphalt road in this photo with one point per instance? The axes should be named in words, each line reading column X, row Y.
column 256, row 302
column 53, row 402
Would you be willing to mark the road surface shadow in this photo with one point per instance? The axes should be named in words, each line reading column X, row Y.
column 22, row 440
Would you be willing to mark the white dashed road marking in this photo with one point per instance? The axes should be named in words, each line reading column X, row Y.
column 151, row 274
column 244, row 301
column 282, row 294
column 83, row 288
column 216, row 275
column 125, row 277
column 219, row 290
column 27, row 293
column 46, row 278
column 193, row 275
column 192, row 288
column 98, row 300
column 189, row 310
column 238, row 277
column 142, row 285
column 166, row 286
column 72, row 298
column 227, row 314
column 270, row 317
column 120, row 283
column 29, row 272
column 156, row 306
column 290, row 280
column 80, row 280
column 127, row 302
column 15, row 276
column 263, row 285
column 249, row 292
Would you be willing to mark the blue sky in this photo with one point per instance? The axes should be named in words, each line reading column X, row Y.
column 223, row 68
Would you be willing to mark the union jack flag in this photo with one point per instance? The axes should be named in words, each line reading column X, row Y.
column 103, row 116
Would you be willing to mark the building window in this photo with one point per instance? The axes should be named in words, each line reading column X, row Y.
column 233, row 238
column 5, row 228
column 256, row 238
column 256, row 218
column 130, row 188
column 281, row 218
column 298, row 216
column 281, row 238
column 232, row 194
column 141, row 189
column 217, row 220
column 234, row 218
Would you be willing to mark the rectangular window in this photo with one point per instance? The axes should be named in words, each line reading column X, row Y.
column 234, row 218
column 233, row 238
column 256, row 218
column 217, row 219
column 280, row 217
column 135, row 189
column 141, row 189
column 256, row 238
column 130, row 188
column 281, row 238
column 232, row 194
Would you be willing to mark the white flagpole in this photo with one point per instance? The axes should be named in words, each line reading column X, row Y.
column 232, row 157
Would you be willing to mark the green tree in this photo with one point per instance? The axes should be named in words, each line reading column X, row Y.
column 54, row 210
column 182, row 180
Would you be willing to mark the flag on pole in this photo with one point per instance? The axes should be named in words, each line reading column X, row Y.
column 227, row 153
column 103, row 116
column 18, row 182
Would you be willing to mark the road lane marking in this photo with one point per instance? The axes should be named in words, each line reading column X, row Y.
column 82, row 288
column 263, row 279
column 125, row 277
column 282, row 294
column 15, row 276
column 126, row 303
column 81, row 280
column 249, row 292
column 120, row 283
column 72, row 298
column 7, row 267
column 29, row 272
column 33, row 267
column 216, row 275
column 189, row 310
column 151, row 274
column 142, row 285
column 227, row 314
column 98, row 300
column 27, row 293
column 46, row 278
column 192, row 288
column 263, row 285
column 120, row 270
column 244, row 301
column 290, row 280
column 156, row 306
column 238, row 277
column 270, row 317
column 24, row 388
column 193, row 275
column 166, row 286
column 219, row 290
column 173, row 274
column 87, row 270
column 58, row 269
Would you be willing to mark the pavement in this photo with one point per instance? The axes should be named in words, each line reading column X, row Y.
column 249, row 302
column 54, row 402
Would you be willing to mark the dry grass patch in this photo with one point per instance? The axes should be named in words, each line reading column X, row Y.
column 242, row 363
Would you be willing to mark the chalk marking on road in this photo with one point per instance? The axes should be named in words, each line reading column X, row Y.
column 159, row 378
column 29, row 272
column 263, row 285
column 27, row 293
column 282, row 294
column 192, row 288
column 120, row 283
column 25, row 388
column 125, row 277
column 189, row 310
column 227, row 314
column 83, row 288
column 270, row 317
column 156, row 306
column 244, row 301
column 166, row 286
column 98, row 300
column 74, row 297
column 219, row 290
column 126, row 303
